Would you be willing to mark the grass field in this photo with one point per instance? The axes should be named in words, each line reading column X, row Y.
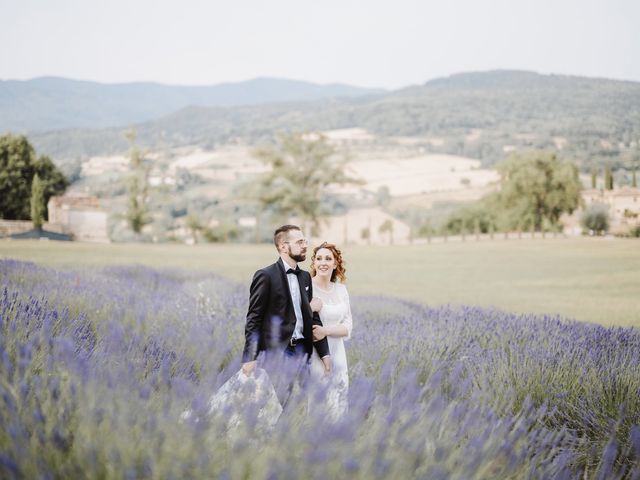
column 596, row 280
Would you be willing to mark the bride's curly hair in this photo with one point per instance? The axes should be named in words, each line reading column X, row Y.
column 339, row 271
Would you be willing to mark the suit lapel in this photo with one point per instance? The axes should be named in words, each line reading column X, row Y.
column 307, row 314
column 285, row 287
column 306, row 307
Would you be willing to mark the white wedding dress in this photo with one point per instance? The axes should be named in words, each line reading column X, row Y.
column 336, row 310
column 237, row 396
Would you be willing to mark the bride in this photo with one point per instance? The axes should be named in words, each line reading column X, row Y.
column 328, row 273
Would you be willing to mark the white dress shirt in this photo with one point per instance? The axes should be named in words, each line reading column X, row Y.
column 296, row 299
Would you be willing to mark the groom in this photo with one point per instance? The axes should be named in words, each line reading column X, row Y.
column 280, row 316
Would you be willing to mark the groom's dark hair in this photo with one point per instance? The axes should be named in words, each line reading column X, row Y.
column 282, row 232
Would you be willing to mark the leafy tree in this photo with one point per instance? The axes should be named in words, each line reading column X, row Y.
column 37, row 202
column 387, row 227
column 596, row 218
column 426, row 229
column 18, row 166
column 537, row 187
column 223, row 233
column 53, row 180
column 16, row 174
column 301, row 169
column 480, row 217
column 194, row 225
column 137, row 210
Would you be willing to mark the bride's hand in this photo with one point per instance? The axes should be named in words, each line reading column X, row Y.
column 319, row 333
column 326, row 361
column 249, row 367
column 316, row 304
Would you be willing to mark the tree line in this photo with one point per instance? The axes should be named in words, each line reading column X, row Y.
column 535, row 189
column 27, row 181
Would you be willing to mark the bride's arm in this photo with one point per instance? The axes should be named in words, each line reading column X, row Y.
column 330, row 331
column 347, row 320
column 343, row 328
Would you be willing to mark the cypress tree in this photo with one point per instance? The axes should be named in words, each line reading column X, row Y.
column 37, row 202
column 608, row 178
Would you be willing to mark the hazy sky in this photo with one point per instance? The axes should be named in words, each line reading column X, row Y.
column 373, row 43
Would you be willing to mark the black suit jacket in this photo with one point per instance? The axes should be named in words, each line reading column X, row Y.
column 271, row 318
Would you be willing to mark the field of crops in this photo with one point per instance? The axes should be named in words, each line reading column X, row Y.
column 97, row 365
column 587, row 279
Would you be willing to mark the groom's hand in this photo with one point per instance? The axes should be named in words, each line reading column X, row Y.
column 248, row 368
column 316, row 304
column 326, row 361
column 319, row 332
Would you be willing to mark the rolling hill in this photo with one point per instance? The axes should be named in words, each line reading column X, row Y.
column 51, row 103
column 482, row 115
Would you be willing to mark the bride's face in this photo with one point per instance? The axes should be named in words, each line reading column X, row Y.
column 324, row 262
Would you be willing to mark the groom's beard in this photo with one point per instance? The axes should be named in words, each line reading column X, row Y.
column 301, row 257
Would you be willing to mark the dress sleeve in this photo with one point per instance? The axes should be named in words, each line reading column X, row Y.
column 346, row 320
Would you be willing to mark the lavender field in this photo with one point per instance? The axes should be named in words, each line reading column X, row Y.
column 98, row 364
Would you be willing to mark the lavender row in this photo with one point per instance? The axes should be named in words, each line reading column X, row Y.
column 98, row 365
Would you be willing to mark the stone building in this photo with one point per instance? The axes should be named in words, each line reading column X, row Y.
column 79, row 215
column 624, row 206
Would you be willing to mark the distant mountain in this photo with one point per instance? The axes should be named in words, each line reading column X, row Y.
column 51, row 103
column 482, row 115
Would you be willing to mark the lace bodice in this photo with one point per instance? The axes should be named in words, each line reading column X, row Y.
column 335, row 306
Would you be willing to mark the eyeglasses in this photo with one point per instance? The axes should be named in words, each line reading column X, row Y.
column 300, row 243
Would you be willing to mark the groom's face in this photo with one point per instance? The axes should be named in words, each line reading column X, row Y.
column 296, row 246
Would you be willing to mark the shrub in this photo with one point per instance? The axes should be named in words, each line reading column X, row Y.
column 596, row 218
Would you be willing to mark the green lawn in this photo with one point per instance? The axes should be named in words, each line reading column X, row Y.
column 595, row 280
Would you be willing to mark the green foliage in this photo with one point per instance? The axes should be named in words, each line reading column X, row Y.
column 596, row 218
column 17, row 159
column 608, row 177
column 480, row 217
column 501, row 104
column 301, row 169
column 137, row 209
column 53, row 180
column 18, row 166
column 194, row 225
column 426, row 229
column 37, row 202
column 224, row 233
column 537, row 188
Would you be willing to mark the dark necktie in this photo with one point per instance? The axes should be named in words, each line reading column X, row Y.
column 296, row 272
